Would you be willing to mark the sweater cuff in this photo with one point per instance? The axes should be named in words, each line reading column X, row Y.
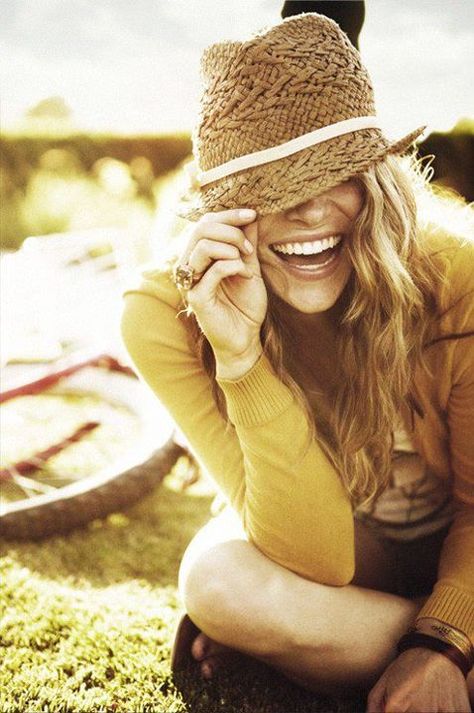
column 257, row 397
column 453, row 606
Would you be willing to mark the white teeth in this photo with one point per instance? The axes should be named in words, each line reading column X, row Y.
column 317, row 246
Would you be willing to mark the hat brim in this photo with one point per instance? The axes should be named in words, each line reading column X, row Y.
column 284, row 183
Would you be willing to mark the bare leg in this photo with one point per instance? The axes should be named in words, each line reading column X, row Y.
column 324, row 638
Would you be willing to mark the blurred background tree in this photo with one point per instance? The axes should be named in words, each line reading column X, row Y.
column 68, row 160
column 49, row 115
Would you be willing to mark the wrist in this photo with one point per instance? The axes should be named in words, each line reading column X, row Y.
column 414, row 640
column 234, row 367
column 445, row 632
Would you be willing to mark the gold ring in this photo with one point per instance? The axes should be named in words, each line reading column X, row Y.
column 184, row 276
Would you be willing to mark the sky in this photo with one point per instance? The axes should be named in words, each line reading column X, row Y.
column 132, row 66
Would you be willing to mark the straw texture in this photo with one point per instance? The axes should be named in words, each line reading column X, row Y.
column 298, row 76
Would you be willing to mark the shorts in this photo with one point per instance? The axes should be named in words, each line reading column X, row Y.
column 406, row 568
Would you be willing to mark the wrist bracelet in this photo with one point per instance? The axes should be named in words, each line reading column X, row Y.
column 414, row 639
column 440, row 630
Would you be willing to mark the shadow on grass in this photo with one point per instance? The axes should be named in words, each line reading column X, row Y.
column 251, row 686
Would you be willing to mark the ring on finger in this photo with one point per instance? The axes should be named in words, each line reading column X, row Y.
column 184, row 276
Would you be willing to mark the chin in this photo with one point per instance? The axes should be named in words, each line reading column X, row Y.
column 312, row 299
column 313, row 306
column 311, row 296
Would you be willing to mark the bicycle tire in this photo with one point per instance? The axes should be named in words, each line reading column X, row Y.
column 98, row 495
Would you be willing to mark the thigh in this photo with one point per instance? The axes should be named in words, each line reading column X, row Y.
column 408, row 569
column 376, row 564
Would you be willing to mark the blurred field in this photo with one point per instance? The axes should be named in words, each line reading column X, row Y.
column 69, row 183
column 55, row 185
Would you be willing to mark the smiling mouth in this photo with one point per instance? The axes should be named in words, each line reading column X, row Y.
column 315, row 253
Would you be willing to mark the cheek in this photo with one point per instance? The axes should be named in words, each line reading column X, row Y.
column 265, row 227
column 354, row 200
column 276, row 278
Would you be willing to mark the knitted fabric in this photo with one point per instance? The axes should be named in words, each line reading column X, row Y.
column 298, row 76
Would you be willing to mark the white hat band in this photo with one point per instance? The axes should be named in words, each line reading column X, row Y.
column 288, row 148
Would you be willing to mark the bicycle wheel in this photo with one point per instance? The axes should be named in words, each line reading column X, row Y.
column 125, row 449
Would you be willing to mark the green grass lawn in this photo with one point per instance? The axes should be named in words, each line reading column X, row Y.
column 88, row 621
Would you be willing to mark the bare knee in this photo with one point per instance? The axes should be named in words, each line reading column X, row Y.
column 232, row 599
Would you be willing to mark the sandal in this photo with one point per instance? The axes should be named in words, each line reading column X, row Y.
column 183, row 639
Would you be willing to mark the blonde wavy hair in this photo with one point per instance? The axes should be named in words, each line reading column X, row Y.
column 390, row 309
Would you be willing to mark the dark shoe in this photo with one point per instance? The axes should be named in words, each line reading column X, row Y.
column 181, row 652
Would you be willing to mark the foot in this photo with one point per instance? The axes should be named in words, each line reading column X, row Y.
column 211, row 655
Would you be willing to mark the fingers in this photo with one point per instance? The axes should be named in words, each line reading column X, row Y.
column 219, row 236
column 222, row 227
column 222, row 232
column 236, row 216
column 206, row 251
column 376, row 701
column 205, row 290
column 251, row 233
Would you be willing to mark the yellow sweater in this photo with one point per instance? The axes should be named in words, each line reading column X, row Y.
column 290, row 499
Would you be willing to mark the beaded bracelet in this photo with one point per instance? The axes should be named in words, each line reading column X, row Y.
column 413, row 639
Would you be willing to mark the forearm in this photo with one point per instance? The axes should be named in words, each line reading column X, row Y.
column 452, row 600
column 289, row 497
column 297, row 510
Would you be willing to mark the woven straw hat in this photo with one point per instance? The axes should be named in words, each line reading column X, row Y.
column 284, row 116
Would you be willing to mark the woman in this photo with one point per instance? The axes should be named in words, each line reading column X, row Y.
column 313, row 340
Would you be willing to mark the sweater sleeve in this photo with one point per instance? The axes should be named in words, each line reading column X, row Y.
column 290, row 500
column 452, row 599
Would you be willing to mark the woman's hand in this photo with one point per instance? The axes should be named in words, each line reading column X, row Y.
column 230, row 299
column 420, row 680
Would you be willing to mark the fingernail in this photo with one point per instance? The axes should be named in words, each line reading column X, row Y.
column 247, row 213
column 248, row 246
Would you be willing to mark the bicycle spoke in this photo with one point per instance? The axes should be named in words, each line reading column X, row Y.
column 28, row 484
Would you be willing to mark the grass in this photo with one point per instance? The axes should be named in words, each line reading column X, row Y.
column 88, row 621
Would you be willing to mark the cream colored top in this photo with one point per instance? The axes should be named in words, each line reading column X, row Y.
column 417, row 501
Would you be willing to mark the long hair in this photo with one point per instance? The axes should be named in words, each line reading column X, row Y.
column 390, row 309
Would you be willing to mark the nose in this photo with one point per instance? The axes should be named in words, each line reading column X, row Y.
column 311, row 212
